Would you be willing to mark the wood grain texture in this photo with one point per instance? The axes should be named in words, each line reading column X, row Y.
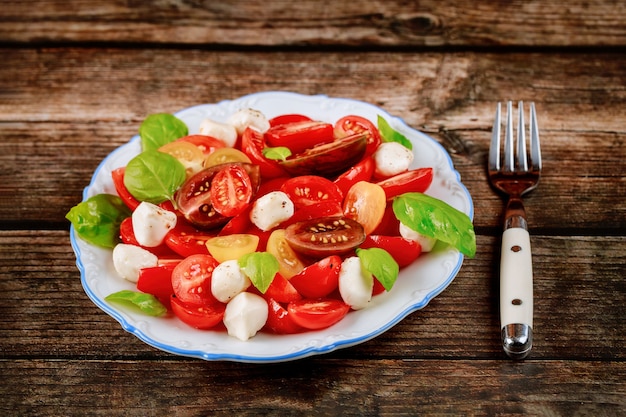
column 78, row 77
column 319, row 23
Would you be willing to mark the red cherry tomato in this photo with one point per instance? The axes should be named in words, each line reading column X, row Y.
column 252, row 144
column 279, row 321
column 186, row 240
column 284, row 119
column 324, row 236
column 191, row 280
column 282, row 290
column 350, row 125
column 363, row 171
column 300, row 136
column 314, row 211
column 204, row 316
column 157, row 281
column 118, row 182
column 319, row 279
column 231, row 190
column 389, row 225
column 317, row 314
column 327, row 160
column 403, row 251
column 413, row 181
column 207, row 144
column 306, row 190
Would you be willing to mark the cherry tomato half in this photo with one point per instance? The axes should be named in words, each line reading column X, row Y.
column 157, row 280
column 319, row 279
column 252, row 144
column 317, row 314
column 365, row 202
column 284, row 119
column 118, row 181
column 325, row 236
column 279, row 321
column 282, row 290
column 413, row 181
column 349, row 125
column 231, row 190
column 306, row 190
column 300, row 136
column 204, row 316
column 327, row 160
column 403, row 251
column 363, row 171
column 186, row 240
column 191, row 280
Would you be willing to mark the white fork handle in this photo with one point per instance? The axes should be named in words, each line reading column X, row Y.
column 516, row 293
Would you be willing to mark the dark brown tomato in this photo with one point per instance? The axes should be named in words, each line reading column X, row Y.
column 328, row 160
column 324, row 236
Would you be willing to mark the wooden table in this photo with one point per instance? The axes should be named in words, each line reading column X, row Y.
column 77, row 78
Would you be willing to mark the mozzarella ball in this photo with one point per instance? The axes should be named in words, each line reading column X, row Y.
column 355, row 283
column 151, row 223
column 271, row 210
column 245, row 118
column 245, row 315
column 129, row 259
column 392, row 158
column 223, row 131
column 426, row 242
column 228, row 280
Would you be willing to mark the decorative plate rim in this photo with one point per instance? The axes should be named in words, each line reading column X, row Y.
column 447, row 185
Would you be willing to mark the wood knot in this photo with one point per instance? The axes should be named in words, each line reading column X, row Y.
column 416, row 24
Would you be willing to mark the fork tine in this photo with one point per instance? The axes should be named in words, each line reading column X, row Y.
column 494, row 148
column 522, row 158
column 535, row 149
column 509, row 158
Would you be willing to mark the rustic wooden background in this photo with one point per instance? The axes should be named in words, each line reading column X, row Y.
column 77, row 78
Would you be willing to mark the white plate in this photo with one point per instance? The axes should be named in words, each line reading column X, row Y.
column 416, row 286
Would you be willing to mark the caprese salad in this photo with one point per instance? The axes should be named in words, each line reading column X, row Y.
column 281, row 225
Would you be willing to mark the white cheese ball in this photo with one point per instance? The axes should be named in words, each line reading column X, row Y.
column 245, row 315
column 355, row 283
column 392, row 158
column 223, row 131
column 271, row 210
column 129, row 259
column 245, row 118
column 228, row 280
column 426, row 242
column 151, row 223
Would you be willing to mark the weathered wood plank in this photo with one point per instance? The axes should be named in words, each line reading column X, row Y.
column 64, row 110
column 578, row 288
column 314, row 386
column 310, row 22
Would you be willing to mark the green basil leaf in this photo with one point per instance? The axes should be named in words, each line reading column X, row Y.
column 389, row 134
column 435, row 218
column 260, row 267
column 97, row 220
column 279, row 153
column 154, row 176
column 159, row 129
column 380, row 264
column 146, row 303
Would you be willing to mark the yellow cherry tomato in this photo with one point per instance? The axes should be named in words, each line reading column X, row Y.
column 187, row 153
column 224, row 155
column 289, row 262
column 228, row 247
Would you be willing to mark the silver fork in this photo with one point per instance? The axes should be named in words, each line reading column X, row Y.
column 515, row 177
